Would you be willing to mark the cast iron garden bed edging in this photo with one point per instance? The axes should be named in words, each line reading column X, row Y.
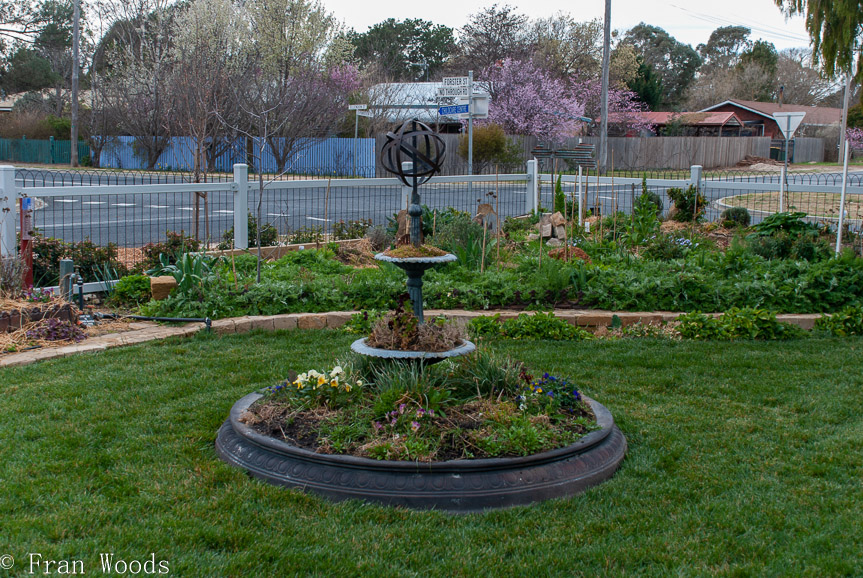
column 455, row 485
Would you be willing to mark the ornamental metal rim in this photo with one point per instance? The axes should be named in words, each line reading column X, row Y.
column 359, row 346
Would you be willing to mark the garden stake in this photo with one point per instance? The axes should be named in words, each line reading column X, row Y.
column 613, row 201
column 484, row 235
column 234, row 269
column 497, row 208
column 434, row 222
column 327, row 207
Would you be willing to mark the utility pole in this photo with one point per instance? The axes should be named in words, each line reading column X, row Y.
column 76, row 39
column 844, row 124
column 606, row 56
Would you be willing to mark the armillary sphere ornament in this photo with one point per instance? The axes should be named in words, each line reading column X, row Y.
column 416, row 143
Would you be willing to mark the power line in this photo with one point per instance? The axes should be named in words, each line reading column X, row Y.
column 763, row 29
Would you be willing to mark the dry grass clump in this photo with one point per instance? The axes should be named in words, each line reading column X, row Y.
column 11, row 276
column 409, row 251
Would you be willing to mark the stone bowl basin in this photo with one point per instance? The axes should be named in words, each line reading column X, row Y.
column 457, row 486
column 427, row 357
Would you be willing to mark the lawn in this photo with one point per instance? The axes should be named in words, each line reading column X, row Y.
column 744, row 459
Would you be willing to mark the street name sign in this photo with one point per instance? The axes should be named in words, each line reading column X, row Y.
column 453, row 110
column 357, row 106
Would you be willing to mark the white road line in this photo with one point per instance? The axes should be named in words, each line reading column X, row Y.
column 65, row 200
column 318, row 219
column 157, row 206
column 123, row 205
column 93, row 203
column 223, row 211
column 278, row 215
column 185, row 209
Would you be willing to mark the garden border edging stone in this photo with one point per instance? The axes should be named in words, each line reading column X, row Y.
column 588, row 318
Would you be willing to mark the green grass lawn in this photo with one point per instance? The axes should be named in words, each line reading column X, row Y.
column 744, row 459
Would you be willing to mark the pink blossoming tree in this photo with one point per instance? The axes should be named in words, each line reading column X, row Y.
column 527, row 100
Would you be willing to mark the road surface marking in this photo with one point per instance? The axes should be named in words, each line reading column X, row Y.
column 157, row 206
column 318, row 219
column 223, row 211
column 123, row 205
column 65, row 200
column 93, row 203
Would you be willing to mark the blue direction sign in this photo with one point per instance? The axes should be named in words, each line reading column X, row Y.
column 452, row 110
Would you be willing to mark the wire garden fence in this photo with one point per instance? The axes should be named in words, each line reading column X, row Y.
column 129, row 209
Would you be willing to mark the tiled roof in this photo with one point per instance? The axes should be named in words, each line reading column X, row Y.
column 818, row 115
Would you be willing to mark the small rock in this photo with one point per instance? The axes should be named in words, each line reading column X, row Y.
column 560, row 232
column 545, row 231
column 554, row 242
column 557, row 219
column 532, row 237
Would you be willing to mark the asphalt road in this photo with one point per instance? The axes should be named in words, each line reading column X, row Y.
column 132, row 220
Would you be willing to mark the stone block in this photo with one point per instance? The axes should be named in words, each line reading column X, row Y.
column 264, row 322
column 161, row 287
column 545, row 231
column 337, row 319
column 243, row 324
column 223, row 326
column 285, row 322
column 312, row 321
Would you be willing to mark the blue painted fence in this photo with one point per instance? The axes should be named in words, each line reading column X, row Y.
column 333, row 156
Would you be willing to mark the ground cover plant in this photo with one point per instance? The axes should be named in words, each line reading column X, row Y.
column 627, row 262
column 744, row 459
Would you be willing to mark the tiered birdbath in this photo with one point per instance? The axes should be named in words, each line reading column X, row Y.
column 414, row 153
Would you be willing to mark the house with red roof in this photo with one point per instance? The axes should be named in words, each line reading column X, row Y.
column 757, row 117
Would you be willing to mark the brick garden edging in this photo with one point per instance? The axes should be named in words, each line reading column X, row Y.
column 587, row 318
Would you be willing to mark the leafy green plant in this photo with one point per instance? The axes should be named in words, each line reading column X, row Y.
column 306, row 235
column 791, row 223
column 644, row 222
column 190, row 271
column 269, row 235
column 736, row 323
column 559, row 197
column 174, row 245
column 362, row 323
column 689, row 204
column 735, row 217
column 88, row 258
column 131, row 290
column 668, row 246
column 846, row 321
column 355, row 229
column 536, row 326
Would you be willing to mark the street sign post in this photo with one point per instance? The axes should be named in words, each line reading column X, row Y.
column 788, row 123
column 358, row 112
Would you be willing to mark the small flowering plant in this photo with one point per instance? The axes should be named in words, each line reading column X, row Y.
column 331, row 388
column 38, row 295
column 406, row 432
column 553, row 394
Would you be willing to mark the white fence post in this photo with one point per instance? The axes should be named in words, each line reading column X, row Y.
column 8, row 198
column 407, row 167
column 530, row 198
column 241, row 206
column 695, row 175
